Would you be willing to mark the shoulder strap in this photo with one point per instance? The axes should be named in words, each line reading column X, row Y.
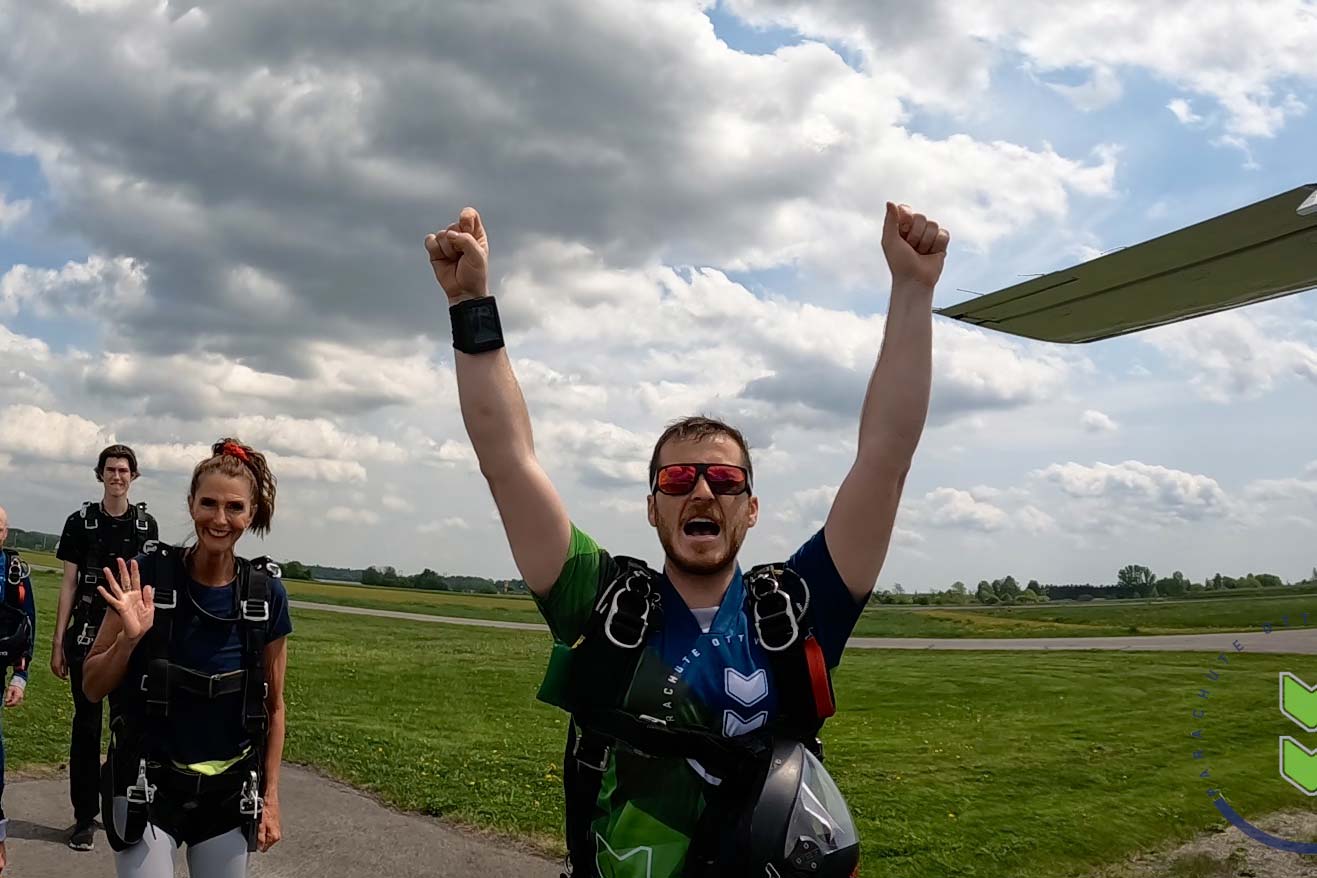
column 626, row 614
column 254, row 611
column 142, row 522
column 161, row 562
column 781, row 617
column 600, row 668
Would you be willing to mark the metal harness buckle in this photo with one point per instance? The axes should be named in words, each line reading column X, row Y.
column 582, row 759
column 641, row 593
column 142, row 792
column 787, row 612
column 255, row 611
column 249, row 805
column 85, row 638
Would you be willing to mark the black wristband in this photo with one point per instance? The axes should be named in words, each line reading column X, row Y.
column 476, row 327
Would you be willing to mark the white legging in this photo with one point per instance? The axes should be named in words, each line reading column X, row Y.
column 224, row 856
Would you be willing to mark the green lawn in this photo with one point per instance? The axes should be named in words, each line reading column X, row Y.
column 1108, row 619
column 979, row 764
column 1101, row 619
column 1084, row 620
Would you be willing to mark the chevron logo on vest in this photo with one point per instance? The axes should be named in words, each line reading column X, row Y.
column 747, row 691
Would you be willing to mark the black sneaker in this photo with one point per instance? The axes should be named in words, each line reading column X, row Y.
column 82, row 837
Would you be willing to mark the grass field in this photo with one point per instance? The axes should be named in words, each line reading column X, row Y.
column 976, row 764
column 1104, row 620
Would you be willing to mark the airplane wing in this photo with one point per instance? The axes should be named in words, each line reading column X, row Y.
column 1259, row 252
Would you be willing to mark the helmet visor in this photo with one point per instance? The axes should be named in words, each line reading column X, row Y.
column 820, row 811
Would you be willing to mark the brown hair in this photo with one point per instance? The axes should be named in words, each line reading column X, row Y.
column 695, row 428
column 116, row 451
column 231, row 458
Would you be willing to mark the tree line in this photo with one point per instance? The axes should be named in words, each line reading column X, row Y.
column 427, row 579
column 389, row 577
column 1132, row 581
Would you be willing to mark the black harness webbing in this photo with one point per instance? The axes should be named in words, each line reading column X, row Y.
column 134, row 769
column 603, row 666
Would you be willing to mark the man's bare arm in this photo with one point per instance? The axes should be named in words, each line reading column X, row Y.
column 497, row 420
column 859, row 526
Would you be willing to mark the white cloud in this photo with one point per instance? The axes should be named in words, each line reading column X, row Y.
column 1236, row 355
column 1191, row 46
column 1100, row 90
column 347, row 515
column 97, row 288
column 328, row 375
column 1132, row 488
column 28, row 431
column 1034, row 520
column 1283, row 489
column 809, row 506
column 1094, row 421
column 12, row 212
column 450, row 523
column 394, row 503
column 1184, row 112
column 31, row 432
column 951, row 507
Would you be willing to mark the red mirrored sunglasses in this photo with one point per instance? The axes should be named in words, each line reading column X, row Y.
column 676, row 479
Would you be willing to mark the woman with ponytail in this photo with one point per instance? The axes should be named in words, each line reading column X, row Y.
column 193, row 655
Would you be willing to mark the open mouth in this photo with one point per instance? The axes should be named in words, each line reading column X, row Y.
column 701, row 527
column 216, row 535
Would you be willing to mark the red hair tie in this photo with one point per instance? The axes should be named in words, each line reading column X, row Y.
column 236, row 450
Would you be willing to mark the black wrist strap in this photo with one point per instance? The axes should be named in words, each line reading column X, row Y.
column 476, row 327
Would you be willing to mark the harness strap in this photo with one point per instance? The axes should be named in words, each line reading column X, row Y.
column 779, row 605
column 163, row 679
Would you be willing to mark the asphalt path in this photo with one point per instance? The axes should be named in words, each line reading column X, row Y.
column 329, row 829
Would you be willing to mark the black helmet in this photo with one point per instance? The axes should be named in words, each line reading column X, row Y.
column 801, row 825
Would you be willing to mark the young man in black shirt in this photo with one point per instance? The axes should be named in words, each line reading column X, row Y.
column 94, row 537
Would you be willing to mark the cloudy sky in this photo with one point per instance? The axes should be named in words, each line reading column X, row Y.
column 211, row 216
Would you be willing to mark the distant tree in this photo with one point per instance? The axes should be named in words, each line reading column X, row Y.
column 989, row 599
column 898, row 589
column 1028, row 596
column 958, row 587
column 295, row 570
column 1171, row 586
column 1135, row 579
column 429, row 580
column 1270, row 580
column 1007, row 588
column 1250, row 581
column 371, row 576
column 985, row 591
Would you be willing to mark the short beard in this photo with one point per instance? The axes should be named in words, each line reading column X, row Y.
column 706, row 566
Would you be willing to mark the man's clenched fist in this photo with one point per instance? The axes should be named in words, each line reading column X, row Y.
column 915, row 246
column 459, row 256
